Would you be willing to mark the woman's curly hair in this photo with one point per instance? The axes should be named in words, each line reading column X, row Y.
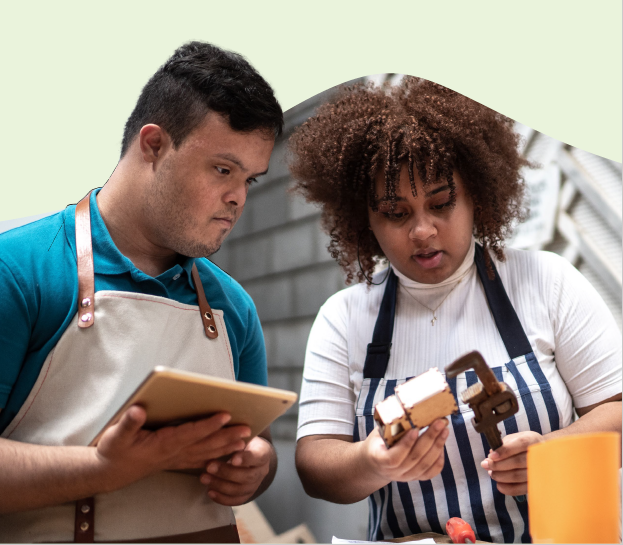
column 335, row 155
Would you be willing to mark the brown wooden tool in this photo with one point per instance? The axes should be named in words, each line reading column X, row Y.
column 491, row 401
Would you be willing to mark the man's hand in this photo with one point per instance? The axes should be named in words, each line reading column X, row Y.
column 36, row 476
column 508, row 465
column 236, row 481
column 412, row 458
column 130, row 453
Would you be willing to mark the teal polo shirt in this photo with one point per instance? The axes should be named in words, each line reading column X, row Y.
column 39, row 298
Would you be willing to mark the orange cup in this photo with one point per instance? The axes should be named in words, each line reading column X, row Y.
column 574, row 489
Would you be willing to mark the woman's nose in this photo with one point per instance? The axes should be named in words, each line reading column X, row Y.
column 422, row 228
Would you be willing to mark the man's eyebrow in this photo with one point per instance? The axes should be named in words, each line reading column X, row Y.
column 436, row 190
column 238, row 163
column 231, row 158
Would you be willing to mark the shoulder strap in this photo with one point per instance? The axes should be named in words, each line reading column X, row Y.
column 506, row 319
column 86, row 279
column 84, row 258
column 377, row 356
column 207, row 316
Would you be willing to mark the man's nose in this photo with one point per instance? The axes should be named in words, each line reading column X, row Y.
column 237, row 195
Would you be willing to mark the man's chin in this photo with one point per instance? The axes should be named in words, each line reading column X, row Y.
column 211, row 251
column 198, row 249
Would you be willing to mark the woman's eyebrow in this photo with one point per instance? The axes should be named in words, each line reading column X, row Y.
column 437, row 190
column 397, row 199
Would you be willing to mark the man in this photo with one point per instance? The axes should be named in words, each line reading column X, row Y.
column 94, row 297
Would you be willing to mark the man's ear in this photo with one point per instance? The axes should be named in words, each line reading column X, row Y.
column 153, row 141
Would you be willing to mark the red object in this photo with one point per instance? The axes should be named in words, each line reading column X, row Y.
column 459, row 531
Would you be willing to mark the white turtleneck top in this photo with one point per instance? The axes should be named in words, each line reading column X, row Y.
column 572, row 333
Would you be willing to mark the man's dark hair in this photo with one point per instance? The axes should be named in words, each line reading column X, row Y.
column 198, row 78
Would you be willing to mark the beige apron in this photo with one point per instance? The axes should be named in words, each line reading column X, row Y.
column 87, row 377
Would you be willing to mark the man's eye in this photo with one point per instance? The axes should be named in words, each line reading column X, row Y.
column 252, row 181
column 222, row 170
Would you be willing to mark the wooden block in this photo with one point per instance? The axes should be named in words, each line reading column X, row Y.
column 392, row 420
column 426, row 398
column 424, row 413
column 417, row 402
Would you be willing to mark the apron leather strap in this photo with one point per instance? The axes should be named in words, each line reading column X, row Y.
column 84, row 529
column 207, row 316
column 84, row 255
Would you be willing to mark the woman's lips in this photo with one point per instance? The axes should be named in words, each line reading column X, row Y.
column 428, row 260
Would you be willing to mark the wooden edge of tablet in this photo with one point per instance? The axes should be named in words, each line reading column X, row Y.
column 224, row 387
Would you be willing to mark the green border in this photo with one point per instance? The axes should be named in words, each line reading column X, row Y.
column 73, row 70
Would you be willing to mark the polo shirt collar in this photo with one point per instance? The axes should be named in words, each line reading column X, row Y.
column 107, row 259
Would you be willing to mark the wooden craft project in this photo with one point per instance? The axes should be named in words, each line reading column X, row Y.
column 392, row 420
column 417, row 402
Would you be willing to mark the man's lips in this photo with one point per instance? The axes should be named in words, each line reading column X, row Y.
column 428, row 258
column 225, row 221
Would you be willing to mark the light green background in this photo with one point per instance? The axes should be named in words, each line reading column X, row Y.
column 71, row 71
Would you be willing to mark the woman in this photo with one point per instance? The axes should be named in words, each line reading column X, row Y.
column 429, row 180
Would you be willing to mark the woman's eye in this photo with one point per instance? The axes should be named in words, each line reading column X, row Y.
column 222, row 170
column 394, row 216
column 442, row 205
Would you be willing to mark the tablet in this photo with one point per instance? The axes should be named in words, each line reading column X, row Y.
column 171, row 397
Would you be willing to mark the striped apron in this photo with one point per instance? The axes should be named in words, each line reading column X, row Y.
column 463, row 488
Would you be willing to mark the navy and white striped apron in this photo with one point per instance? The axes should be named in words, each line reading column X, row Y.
column 403, row 508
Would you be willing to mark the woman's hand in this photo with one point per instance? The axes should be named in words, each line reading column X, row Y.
column 508, row 465
column 412, row 458
column 333, row 468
